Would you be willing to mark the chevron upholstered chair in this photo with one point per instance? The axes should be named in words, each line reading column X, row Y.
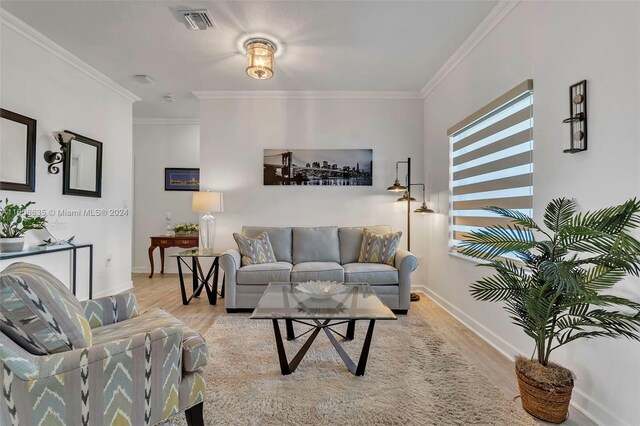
column 98, row 362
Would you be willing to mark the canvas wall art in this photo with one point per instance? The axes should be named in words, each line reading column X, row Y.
column 181, row 179
column 330, row 167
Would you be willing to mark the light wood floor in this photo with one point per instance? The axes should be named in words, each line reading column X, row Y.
column 164, row 291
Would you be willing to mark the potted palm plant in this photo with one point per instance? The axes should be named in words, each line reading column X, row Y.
column 557, row 289
column 15, row 221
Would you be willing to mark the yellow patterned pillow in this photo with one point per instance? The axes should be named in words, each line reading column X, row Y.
column 255, row 250
column 379, row 248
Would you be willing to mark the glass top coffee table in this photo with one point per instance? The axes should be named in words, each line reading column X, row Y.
column 357, row 301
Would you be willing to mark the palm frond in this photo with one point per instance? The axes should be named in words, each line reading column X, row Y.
column 600, row 323
column 518, row 218
column 600, row 277
column 493, row 241
column 506, row 284
column 611, row 220
column 559, row 212
column 563, row 276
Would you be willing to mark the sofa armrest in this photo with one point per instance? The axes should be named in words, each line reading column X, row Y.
column 230, row 262
column 110, row 309
column 405, row 262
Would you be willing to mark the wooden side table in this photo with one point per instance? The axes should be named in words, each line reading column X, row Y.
column 165, row 241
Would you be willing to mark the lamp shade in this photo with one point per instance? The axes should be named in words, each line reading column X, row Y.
column 423, row 209
column 396, row 187
column 207, row 202
column 406, row 197
column 260, row 54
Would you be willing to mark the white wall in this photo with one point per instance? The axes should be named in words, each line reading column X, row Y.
column 156, row 146
column 557, row 44
column 234, row 133
column 36, row 83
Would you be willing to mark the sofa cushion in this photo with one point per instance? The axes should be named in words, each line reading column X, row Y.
column 317, row 271
column 194, row 348
column 370, row 273
column 255, row 250
column 40, row 313
column 379, row 248
column 264, row 273
column 280, row 239
column 318, row 244
column 351, row 241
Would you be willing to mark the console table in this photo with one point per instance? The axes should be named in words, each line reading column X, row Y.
column 73, row 248
column 165, row 241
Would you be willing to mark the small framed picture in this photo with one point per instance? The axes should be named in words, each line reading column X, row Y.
column 181, row 179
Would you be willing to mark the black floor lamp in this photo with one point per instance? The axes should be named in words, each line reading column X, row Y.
column 397, row 187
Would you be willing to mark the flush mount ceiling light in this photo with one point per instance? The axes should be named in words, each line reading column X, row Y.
column 260, row 53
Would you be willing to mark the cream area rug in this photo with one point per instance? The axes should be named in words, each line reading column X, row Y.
column 413, row 377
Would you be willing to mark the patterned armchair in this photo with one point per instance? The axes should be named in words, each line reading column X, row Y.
column 99, row 362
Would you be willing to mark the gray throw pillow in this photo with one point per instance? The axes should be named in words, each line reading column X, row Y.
column 379, row 248
column 255, row 250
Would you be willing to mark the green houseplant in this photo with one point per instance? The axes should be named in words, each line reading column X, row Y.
column 559, row 290
column 15, row 221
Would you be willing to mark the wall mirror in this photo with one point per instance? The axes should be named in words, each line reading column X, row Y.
column 17, row 152
column 83, row 167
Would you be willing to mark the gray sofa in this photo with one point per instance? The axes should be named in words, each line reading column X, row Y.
column 322, row 253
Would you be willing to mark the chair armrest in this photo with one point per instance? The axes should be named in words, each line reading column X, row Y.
column 148, row 363
column 110, row 309
column 405, row 261
column 230, row 261
column 32, row 367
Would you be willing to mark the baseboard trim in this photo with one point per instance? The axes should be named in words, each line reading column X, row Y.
column 507, row 350
column 128, row 285
column 420, row 288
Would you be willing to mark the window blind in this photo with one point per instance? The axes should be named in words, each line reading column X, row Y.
column 491, row 163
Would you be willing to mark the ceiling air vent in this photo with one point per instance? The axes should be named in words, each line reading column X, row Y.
column 198, row 19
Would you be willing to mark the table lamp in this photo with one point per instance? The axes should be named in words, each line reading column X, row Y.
column 207, row 202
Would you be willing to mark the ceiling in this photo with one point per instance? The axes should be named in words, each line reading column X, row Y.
column 325, row 45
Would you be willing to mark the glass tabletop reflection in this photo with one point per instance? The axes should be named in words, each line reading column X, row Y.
column 197, row 253
column 353, row 301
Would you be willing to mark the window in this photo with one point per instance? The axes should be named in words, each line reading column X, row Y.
column 491, row 163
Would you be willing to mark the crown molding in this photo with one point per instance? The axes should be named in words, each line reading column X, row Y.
column 287, row 94
column 488, row 24
column 166, row 121
column 10, row 21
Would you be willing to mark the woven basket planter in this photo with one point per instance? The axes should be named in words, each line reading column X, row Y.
column 548, row 405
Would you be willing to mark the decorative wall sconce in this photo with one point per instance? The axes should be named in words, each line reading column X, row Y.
column 53, row 158
column 578, row 118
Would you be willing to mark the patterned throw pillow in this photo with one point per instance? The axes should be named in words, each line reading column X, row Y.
column 39, row 313
column 255, row 250
column 379, row 248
